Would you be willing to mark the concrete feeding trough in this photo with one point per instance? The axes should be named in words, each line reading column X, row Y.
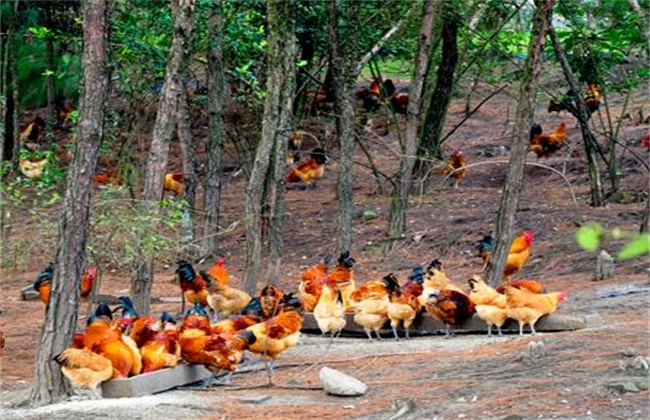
column 425, row 324
column 158, row 381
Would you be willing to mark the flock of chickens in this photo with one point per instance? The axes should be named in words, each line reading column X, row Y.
column 270, row 322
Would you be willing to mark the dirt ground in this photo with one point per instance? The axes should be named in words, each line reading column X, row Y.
column 599, row 372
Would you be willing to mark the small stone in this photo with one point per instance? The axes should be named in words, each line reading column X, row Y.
column 624, row 386
column 629, row 352
column 349, row 407
column 461, row 400
column 535, row 351
column 257, row 399
column 604, row 266
column 338, row 383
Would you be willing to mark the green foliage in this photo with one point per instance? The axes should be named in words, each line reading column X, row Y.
column 141, row 34
column 590, row 237
column 599, row 37
column 33, row 72
column 123, row 231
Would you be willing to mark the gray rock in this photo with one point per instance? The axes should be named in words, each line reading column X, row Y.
column 535, row 351
column 624, row 386
column 604, row 266
column 338, row 383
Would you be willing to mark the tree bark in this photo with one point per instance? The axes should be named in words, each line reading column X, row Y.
column 216, row 136
column 13, row 107
column 524, row 119
column 430, row 141
column 399, row 199
column 280, row 56
column 343, row 79
column 589, row 141
column 276, row 195
column 61, row 314
column 190, row 176
column 183, row 12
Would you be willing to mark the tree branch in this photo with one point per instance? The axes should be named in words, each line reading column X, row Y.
column 378, row 46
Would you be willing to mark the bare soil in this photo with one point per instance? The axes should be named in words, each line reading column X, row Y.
column 594, row 373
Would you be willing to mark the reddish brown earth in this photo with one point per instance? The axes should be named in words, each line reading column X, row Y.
column 468, row 376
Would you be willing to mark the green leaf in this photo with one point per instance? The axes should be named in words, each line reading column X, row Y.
column 639, row 246
column 589, row 236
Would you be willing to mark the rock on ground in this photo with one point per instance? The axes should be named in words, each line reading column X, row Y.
column 338, row 383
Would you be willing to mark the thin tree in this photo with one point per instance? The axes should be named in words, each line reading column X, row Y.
column 399, row 199
column 582, row 113
column 343, row 79
column 275, row 191
column 216, row 136
column 61, row 314
column 429, row 145
column 281, row 53
column 346, row 67
column 523, row 121
column 190, row 167
column 183, row 12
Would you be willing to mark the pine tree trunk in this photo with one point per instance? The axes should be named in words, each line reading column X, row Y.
column 61, row 314
column 430, row 141
column 523, row 121
column 14, row 109
column 276, row 196
column 215, row 141
column 190, row 176
column 399, row 200
column 343, row 80
column 183, row 12
column 279, row 52
column 589, row 141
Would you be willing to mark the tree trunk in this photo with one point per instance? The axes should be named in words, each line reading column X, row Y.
column 276, row 196
column 430, row 141
column 524, row 119
column 343, row 80
column 399, row 200
column 13, row 107
column 582, row 113
column 61, row 313
column 280, row 53
column 190, row 176
column 183, row 12
column 216, row 136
